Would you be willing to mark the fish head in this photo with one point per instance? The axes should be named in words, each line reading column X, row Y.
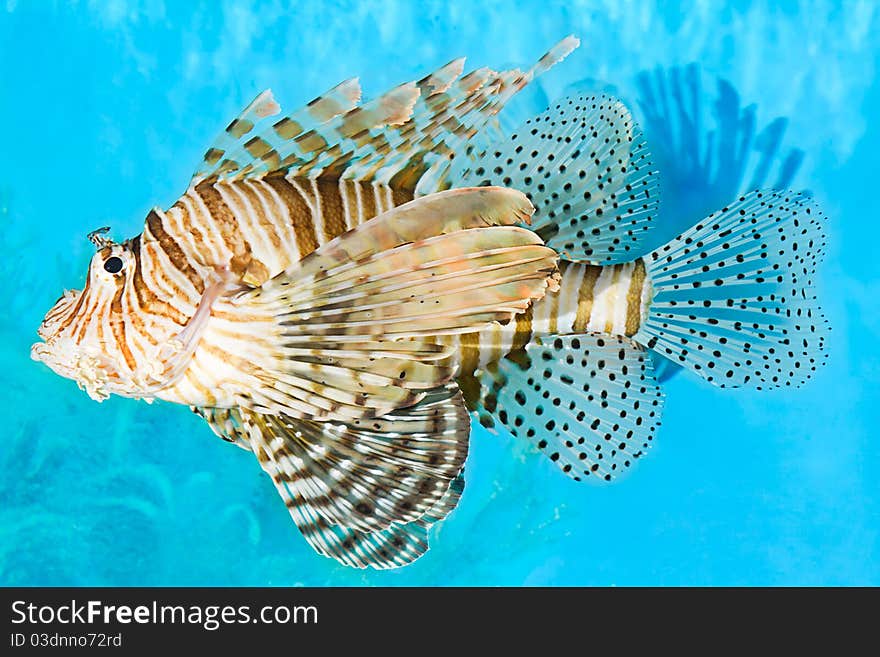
column 83, row 333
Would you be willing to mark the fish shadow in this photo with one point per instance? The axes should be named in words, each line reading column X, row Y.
column 707, row 146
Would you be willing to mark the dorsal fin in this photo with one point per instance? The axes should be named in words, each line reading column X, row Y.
column 397, row 138
column 253, row 122
column 586, row 166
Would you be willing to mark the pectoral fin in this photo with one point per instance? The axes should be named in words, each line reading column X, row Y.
column 350, row 331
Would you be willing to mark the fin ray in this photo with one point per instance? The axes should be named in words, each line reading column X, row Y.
column 364, row 493
column 443, row 264
column 585, row 165
column 733, row 297
column 396, row 138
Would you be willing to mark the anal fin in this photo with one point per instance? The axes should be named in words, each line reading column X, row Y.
column 589, row 402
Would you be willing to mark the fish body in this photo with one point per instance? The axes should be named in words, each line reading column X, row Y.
column 339, row 290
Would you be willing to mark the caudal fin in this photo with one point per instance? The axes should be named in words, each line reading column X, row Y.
column 733, row 297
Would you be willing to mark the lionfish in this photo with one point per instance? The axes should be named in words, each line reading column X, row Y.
column 340, row 289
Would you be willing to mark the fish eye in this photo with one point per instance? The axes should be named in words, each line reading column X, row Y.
column 113, row 264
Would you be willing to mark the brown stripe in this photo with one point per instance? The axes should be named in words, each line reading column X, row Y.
column 213, row 155
column 311, row 142
column 408, row 177
column 634, row 298
column 204, row 393
column 135, row 326
column 553, row 315
column 173, row 251
column 259, row 203
column 523, row 332
column 90, row 312
column 76, row 308
column 470, row 353
column 192, row 224
column 300, row 214
column 147, row 298
column 222, row 215
column 331, row 208
column 585, row 298
column 287, row 128
column 118, row 326
column 368, row 201
column 401, row 196
column 239, row 127
column 258, row 147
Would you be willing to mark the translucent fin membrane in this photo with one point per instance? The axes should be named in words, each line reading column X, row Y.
column 733, row 297
column 354, row 320
column 585, row 165
column 400, row 136
column 366, row 492
column 589, row 402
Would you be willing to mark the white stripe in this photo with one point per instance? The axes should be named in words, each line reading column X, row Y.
column 274, row 260
column 487, row 339
column 183, row 235
column 318, row 214
column 601, row 303
column 508, row 332
column 609, row 300
column 621, row 288
column 185, row 287
column 158, row 275
column 208, row 244
column 541, row 314
column 247, row 223
column 208, row 224
column 346, row 219
column 285, row 224
column 647, row 296
column 377, row 199
column 568, row 303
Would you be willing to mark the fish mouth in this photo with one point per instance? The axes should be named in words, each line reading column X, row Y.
column 39, row 352
column 70, row 362
column 95, row 372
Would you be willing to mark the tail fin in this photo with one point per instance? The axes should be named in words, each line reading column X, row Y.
column 733, row 297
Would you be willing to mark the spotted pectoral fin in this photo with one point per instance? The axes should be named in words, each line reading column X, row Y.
column 590, row 402
column 585, row 165
column 364, row 493
column 350, row 331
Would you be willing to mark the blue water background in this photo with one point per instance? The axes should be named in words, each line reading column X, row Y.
column 106, row 108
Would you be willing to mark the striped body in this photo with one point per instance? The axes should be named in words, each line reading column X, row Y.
column 280, row 221
column 256, row 229
column 590, row 299
column 262, row 227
